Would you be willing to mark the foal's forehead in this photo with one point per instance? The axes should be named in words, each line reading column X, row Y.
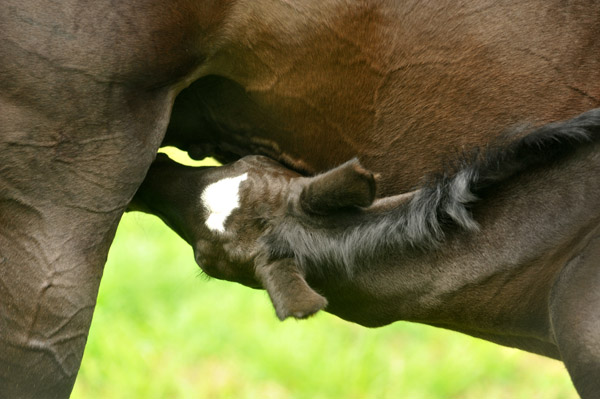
column 220, row 199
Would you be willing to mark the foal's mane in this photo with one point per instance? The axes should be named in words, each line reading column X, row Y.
column 445, row 197
column 442, row 203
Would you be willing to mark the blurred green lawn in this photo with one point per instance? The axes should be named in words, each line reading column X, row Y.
column 162, row 330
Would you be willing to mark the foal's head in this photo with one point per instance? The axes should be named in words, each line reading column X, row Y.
column 240, row 203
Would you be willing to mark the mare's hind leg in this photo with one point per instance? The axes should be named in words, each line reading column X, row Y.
column 575, row 312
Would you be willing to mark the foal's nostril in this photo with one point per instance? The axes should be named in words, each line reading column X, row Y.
column 200, row 260
column 202, row 250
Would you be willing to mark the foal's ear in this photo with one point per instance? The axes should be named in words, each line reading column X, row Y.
column 346, row 186
column 289, row 292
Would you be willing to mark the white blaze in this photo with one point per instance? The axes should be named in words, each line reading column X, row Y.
column 220, row 199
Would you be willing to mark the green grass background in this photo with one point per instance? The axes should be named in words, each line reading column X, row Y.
column 162, row 330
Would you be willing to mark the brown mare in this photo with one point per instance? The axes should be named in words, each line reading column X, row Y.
column 88, row 90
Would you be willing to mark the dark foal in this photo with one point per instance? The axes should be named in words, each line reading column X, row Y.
column 501, row 248
column 232, row 207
